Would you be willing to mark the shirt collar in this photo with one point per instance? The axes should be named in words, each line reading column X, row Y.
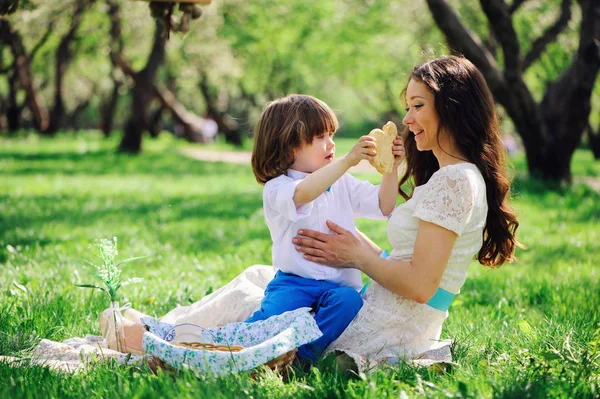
column 296, row 174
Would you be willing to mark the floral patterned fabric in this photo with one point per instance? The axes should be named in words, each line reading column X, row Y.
column 262, row 342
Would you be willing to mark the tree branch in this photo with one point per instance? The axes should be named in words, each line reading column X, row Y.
column 64, row 52
column 465, row 42
column 79, row 108
column 157, row 54
column 539, row 45
column 491, row 44
column 42, row 41
column 515, row 6
column 116, row 42
column 120, row 61
column 503, row 29
column 576, row 83
column 64, row 56
column 13, row 39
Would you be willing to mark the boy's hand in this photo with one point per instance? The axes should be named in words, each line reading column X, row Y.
column 398, row 151
column 364, row 149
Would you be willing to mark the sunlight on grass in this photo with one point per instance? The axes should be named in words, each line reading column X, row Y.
column 527, row 329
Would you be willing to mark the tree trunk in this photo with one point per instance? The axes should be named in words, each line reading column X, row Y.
column 13, row 110
column 64, row 55
column 227, row 125
column 75, row 118
column 551, row 130
column 108, row 110
column 191, row 123
column 3, row 123
column 116, row 48
column 132, row 137
column 566, row 106
column 13, row 39
column 143, row 92
column 155, row 125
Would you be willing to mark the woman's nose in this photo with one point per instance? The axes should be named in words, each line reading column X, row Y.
column 408, row 119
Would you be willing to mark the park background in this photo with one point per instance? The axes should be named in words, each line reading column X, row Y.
column 102, row 120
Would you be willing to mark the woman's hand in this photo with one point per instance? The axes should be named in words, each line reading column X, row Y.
column 398, row 151
column 366, row 148
column 342, row 249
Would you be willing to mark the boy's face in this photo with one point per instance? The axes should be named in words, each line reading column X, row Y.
column 313, row 156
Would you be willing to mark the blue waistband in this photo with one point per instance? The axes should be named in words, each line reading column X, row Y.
column 441, row 300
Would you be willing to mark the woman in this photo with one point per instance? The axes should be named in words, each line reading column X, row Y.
column 458, row 209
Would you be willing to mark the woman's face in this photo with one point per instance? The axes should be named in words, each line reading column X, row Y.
column 421, row 117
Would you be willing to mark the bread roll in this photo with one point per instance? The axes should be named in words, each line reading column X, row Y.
column 384, row 138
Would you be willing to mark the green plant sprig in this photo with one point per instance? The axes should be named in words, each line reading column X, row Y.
column 109, row 272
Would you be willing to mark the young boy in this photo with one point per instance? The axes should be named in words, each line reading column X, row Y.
column 293, row 156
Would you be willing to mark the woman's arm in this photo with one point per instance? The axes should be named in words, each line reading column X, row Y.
column 388, row 190
column 417, row 280
column 367, row 242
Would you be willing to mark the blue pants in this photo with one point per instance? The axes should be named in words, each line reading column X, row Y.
column 335, row 307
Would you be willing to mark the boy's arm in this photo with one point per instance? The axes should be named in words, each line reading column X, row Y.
column 317, row 182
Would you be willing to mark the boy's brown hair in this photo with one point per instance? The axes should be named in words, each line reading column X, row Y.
column 284, row 126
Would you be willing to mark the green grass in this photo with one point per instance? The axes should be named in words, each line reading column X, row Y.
column 530, row 329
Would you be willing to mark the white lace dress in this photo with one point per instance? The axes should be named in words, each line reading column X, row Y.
column 387, row 326
column 391, row 326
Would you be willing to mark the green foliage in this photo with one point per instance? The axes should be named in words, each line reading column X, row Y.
column 530, row 329
column 355, row 55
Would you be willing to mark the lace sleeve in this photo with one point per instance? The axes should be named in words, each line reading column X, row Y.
column 446, row 200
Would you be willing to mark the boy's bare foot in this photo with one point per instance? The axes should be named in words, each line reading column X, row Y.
column 130, row 337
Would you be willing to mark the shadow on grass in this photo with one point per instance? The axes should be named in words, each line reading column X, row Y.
column 197, row 214
column 222, row 206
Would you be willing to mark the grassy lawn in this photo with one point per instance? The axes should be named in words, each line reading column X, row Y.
column 530, row 329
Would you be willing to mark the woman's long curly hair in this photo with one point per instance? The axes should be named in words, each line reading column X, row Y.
column 467, row 112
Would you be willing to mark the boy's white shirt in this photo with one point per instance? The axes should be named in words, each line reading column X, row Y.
column 347, row 199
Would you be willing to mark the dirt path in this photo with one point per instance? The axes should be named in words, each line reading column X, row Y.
column 590, row 181
column 243, row 157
